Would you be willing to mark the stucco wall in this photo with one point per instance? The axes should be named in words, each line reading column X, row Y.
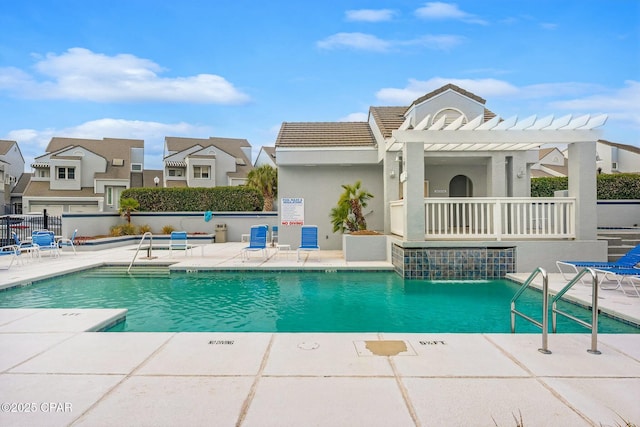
column 321, row 191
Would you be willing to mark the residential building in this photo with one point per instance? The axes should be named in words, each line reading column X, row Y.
column 551, row 163
column 266, row 156
column 451, row 185
column 212, row 162
column 617, row 158
column 11, row 169
column 84, row 175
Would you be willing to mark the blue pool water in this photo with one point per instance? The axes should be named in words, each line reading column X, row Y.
column 294, row 302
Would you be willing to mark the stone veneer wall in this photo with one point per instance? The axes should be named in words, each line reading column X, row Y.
column 453, row 263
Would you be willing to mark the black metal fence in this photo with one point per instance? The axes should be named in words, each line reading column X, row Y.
column 24, row 225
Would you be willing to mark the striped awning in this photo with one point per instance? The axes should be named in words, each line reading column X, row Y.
column 176, row 164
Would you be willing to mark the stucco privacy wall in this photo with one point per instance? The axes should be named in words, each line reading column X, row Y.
column 618, row 213
column 321, row 191
column 238, row 223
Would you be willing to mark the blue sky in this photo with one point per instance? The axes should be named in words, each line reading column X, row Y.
column 148, row 69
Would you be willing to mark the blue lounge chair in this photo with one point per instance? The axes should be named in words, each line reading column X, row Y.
column 308, row 239
column 11, row 252
column 46, row 242
column 65, row 241
column 629, row 260
column 178, row 241
column 619, row 275
column 257, row 242
column 23, row 247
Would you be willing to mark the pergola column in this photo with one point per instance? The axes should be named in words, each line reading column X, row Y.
column 583, row 186
column 412, row 180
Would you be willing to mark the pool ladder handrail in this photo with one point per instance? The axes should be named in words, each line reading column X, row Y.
column 545, row 307
column 594, row 308
column 148, row 233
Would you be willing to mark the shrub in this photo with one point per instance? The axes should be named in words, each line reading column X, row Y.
column 226, row 199
column 116, row 231
column 167, row 229
column 144, row 228
column 620, row 186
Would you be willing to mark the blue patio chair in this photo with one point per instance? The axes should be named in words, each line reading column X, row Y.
column 178, row 241
column 308, row 239
column 24, row 247
column 629, row 260
column 11, row 252
column 65, row 241
column 257, row 242
column 46, row 242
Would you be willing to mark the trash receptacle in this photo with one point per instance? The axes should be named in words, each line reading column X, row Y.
column 221, row 233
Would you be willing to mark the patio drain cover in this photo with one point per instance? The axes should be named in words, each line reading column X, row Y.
column 308, row 345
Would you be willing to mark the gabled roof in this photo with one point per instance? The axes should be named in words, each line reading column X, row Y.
column 109, row 148
column 271, row 151
column 319, row 134
column 22, row 183
column 388, row 119
column 446, row 88
column 625, row 147
column 5, row 146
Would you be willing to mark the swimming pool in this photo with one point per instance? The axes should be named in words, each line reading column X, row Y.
column 293, row 302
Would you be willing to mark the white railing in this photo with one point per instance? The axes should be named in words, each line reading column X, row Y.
column 492, row 218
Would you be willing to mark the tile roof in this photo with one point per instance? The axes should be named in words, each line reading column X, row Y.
column 318, row 134
column 388, row 119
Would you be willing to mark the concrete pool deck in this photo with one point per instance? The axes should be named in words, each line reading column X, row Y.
column 53, row 372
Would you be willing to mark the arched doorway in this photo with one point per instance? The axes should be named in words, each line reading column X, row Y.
column 460, row 186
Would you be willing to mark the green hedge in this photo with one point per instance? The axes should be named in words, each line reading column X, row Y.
column 620, row 186
column 218, row 199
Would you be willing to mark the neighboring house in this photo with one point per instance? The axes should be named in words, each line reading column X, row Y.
column 11, row 168
column 552, row 163
column 212, row 162
column 617, row 158
column 451, row 185
column 266, row 156
column 84, row 175
column 18, row 191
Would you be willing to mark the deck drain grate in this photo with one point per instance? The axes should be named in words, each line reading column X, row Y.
column 308, row 345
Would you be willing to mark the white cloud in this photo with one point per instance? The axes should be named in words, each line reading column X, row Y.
column 361, row 41
column 416, row 88
column 620, row 104
column 33, row 142
column 358, row 41
column 443, row 11
column 443, row 42
column 370, row 15
column 80, row 74
column 548, row 26
column 355, row 117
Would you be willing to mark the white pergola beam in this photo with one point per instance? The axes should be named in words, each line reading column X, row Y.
column 423, row 123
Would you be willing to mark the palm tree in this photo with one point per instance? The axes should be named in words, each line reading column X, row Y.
column 264, row 179
column 128, row 205
column 347, row 215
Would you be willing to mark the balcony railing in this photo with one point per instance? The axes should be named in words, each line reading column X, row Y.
column 493, row 218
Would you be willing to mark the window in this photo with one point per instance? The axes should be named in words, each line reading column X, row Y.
column 109, row 196
column 175, row 172
column 136, row 167
column 201, row 172
column 66, row 173
column 43, row 173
